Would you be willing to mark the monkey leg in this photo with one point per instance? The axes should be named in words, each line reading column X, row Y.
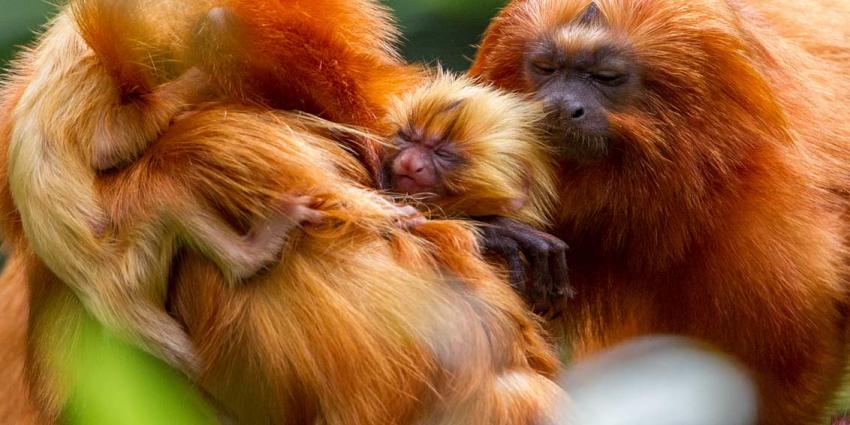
column 148, row 116
column 242, row 256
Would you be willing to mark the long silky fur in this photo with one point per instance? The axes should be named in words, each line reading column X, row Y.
column 18, row 406
column 52, row 128
column 362, row 321
column 286, row 54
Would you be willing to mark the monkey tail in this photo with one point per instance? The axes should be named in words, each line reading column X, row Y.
column 123, row 36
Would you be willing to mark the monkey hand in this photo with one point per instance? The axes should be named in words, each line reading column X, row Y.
column 302, row 210
column 409, row 217
column 546, row 284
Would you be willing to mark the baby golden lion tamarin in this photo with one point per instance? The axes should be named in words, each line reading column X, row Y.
column 469, row 150
column 86, row 110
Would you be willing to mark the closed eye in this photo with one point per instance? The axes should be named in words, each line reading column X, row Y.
column 544, row 68
column 404, row 136
column 447, row 157
column 444, row 154
column 609, row 78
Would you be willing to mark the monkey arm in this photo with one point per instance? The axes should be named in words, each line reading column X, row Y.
column 241, row 256
column 547, row 282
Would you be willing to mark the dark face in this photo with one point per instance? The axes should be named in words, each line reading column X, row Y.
column 421, row 163
column 580, row 86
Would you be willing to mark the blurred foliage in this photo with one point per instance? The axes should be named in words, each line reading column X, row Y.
column 19, row 19
column 433, row 29
column 446, row 30
column 113, row 383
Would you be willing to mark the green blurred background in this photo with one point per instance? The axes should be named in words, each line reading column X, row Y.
column 443, row 30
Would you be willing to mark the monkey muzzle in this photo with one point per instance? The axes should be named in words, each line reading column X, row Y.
column 578, row 131
column 409, row 175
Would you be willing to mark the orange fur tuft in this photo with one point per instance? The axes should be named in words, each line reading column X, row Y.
column 17, row 406
column 286, row 55
column 133, row 39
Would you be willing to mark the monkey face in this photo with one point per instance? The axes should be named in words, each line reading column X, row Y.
column 582, row 74
column 634, row 80
column 421, row 163
column 469, row 149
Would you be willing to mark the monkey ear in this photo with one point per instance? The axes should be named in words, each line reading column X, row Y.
column 591, row 16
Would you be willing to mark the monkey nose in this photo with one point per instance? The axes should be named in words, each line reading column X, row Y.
column 573, row 110
column 412, row 174
column 577, row 113
column 566, row 110
column 410, row 165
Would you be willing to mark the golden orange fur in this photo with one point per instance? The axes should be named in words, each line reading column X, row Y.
column 289, row 55
column 361, row 321
column 17, row 406
column 333, row 59
column 68, row 117
column 720, row 211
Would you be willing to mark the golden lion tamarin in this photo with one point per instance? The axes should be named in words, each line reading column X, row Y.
column 467, row 150
column 71, row 122
column 470, row 150
column 704, row 162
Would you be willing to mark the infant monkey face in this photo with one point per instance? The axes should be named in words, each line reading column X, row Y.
column 425, row 154
column 421, row 163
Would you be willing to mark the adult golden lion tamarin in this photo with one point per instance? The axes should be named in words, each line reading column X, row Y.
column 704, row 166
column 468, row 150
column 74, row 119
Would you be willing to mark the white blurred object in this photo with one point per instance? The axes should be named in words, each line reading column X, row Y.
column 660, row 381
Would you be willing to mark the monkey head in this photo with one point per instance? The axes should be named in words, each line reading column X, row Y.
column 581, row 73
column 633, row 77
column 470, row 150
